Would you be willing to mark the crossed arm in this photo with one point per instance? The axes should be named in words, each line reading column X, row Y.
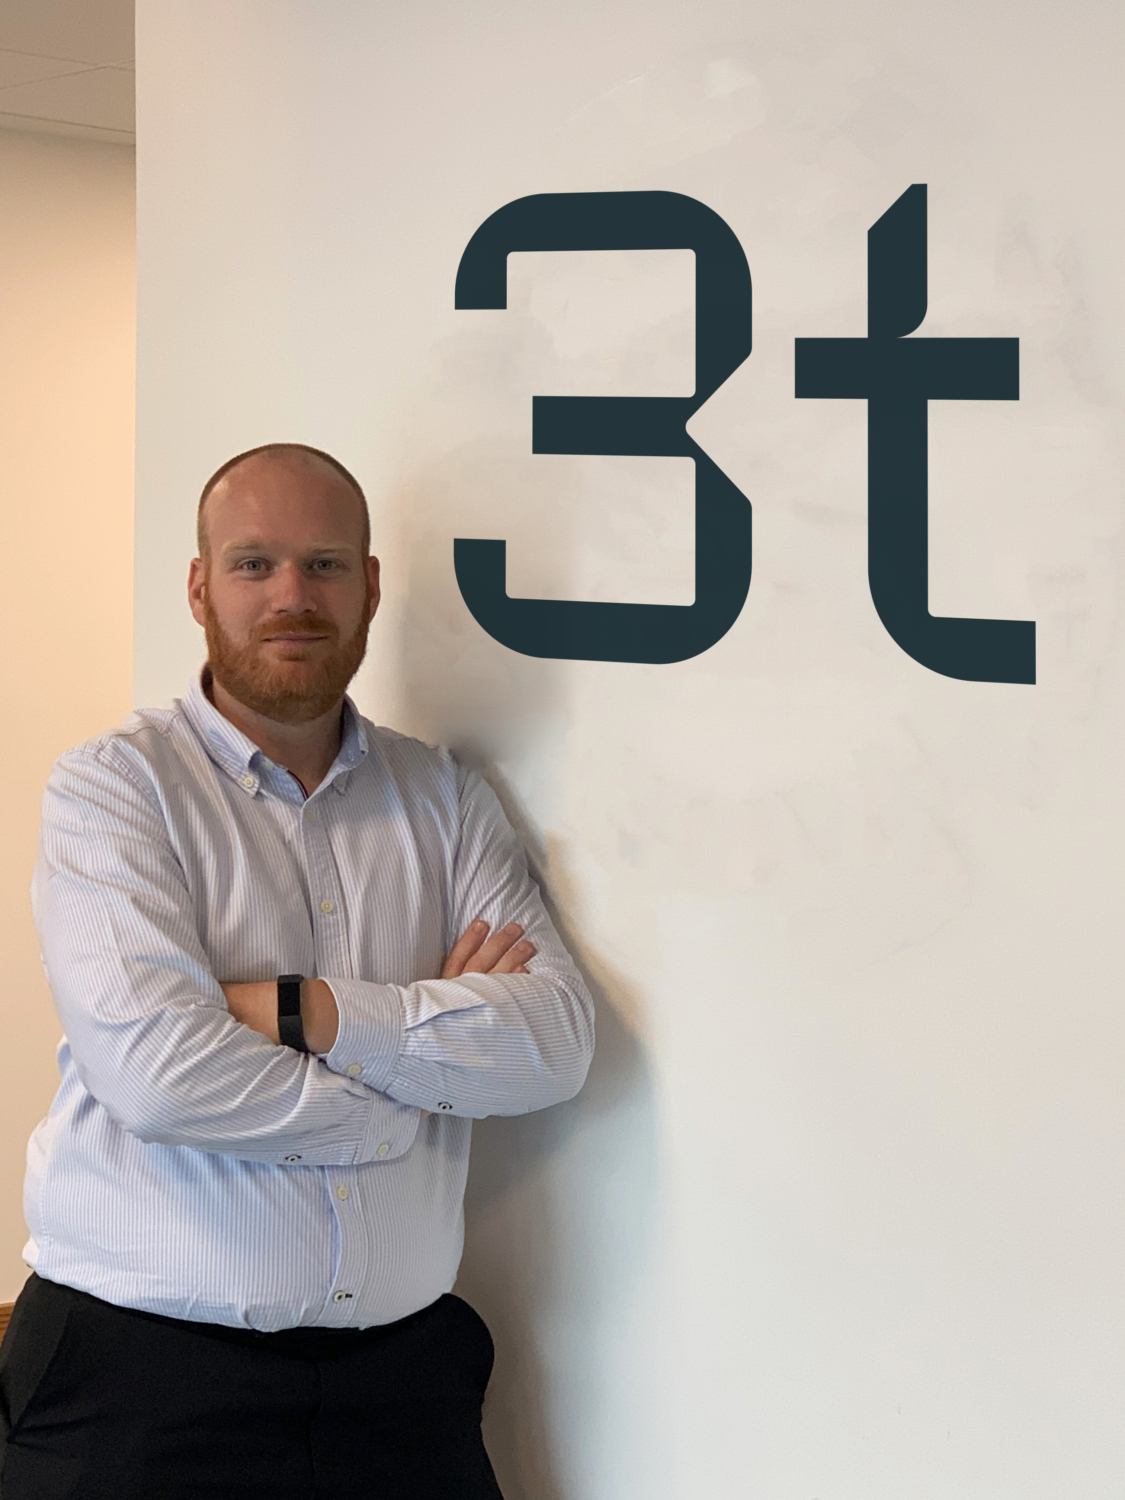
column 255, row 1005
column 178, row 1059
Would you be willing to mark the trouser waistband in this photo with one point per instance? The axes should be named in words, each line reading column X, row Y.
column 294, row 1339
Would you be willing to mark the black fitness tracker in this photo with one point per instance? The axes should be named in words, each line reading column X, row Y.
column 289, row 1028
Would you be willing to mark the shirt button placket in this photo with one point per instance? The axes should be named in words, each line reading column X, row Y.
column 350, row 1271
column 320, row 871
column 330, row 947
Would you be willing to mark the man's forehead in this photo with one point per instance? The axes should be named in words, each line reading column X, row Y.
column 258, row 500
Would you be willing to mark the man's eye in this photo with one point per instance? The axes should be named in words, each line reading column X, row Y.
column 251, row 565
column 325, row 565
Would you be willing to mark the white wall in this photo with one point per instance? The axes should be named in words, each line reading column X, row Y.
column 66, row 497
column 837, row 1216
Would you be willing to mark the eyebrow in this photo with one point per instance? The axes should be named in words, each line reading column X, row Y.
column 258, row 546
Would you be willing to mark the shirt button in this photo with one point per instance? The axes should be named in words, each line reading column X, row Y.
column 292, row 1158
column 249, row 783
column 354, row 1070
column 444, row 1104
column 340, row 1296
column 327, row 906
column 382, row 1150
column 308, row 815
column 342, row 1193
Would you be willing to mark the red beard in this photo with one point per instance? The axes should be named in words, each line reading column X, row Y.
column 302, row 685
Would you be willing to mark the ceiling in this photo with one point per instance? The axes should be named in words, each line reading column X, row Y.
column 66, row 67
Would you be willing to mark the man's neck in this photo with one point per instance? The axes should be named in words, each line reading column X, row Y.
column 305, row 750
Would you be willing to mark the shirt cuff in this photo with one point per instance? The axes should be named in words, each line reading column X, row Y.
column 370, row 1033
column 391, row 1129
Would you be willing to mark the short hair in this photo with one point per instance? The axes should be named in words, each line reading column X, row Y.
column 280, row 450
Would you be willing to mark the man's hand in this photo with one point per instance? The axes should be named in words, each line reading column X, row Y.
column 503, row 953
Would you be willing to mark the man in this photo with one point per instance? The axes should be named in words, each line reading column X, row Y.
column 242, row 1252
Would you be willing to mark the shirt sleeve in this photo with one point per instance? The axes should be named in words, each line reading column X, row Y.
column 145, row 1018
column 482, row 1044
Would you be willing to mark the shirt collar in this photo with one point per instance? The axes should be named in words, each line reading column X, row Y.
column 243, row 761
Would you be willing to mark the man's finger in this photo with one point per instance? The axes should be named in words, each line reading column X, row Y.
column 514, row 960
column 464, row 948
column 489, row 953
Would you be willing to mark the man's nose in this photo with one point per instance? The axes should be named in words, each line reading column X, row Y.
column 292, row 592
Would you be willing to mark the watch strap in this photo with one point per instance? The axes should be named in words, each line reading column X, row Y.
column 289, row 1028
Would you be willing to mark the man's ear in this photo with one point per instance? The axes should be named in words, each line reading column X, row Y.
column 197, row 588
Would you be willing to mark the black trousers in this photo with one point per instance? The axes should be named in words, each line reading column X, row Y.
column 99, row 1402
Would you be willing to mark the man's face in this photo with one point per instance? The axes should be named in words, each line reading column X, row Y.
column 286, row 593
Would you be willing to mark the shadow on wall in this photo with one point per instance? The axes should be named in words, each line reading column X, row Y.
column 559, row 1207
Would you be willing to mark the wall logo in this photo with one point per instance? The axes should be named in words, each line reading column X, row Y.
column 896, row 376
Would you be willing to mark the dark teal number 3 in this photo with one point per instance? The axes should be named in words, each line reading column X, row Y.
column 653, row 425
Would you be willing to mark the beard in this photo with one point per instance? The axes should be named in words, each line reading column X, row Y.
column 296, row 688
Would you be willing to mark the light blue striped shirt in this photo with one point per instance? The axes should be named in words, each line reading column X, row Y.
column 188, row 1165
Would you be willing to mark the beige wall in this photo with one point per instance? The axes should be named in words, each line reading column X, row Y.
column 66, row 492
